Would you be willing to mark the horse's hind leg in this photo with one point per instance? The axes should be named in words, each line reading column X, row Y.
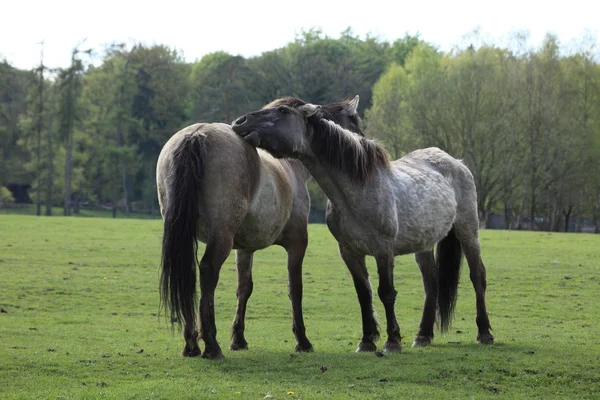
column 426, row 262
column 296, row 253
column 470, row 245
column 190, row 334
column 360, row 276
column 218, row 248
column 244, row 290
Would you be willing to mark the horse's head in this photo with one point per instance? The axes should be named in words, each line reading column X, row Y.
column 344, row 114
column 281, row 127
column 281, row 130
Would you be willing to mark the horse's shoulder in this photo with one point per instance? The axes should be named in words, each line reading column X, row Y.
column 274, row 166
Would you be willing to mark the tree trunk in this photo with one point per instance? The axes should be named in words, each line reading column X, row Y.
column 126, row 205
column 38, row 167
column 567, row 215
column 532, row 210
column 68, row 174
column 579, row 224
column 50, row 183
column 115, row 192
column 77, row 205
column 521, row 210
column 69, row 134
column 555, row 217
column 120, row 143
column 151, row 188
column 597, row 214
column 507, row 215
column 69, row 157
column 483, row 216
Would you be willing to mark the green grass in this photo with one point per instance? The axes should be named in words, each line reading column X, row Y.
column 81, row 322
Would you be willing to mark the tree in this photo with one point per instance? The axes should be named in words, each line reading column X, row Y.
column 577, row 188
column 480, row 105
column 388, row 119
column 220, row 88
column 540, row 113
column 158, row 109
column 401, row 49
column 39, row 128
column 70, row 81
column 426, row 98
column 14, row 86
column 33, row 124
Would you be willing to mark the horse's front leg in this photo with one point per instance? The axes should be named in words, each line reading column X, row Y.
column 296, row 253
column 360, row 276
column 387, row 295
column 217, row 251
column 244, row 290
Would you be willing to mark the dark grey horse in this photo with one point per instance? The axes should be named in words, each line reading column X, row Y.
column 384, row 209
column 216, row 188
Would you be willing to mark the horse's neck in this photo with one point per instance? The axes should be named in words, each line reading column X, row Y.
column 299, row 169
column 337, row 186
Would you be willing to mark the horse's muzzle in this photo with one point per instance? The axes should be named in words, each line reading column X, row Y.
column 237, row 123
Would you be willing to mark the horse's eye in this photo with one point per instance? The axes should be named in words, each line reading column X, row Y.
column 284, row 110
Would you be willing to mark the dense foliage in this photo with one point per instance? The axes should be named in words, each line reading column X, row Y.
column 525, row 121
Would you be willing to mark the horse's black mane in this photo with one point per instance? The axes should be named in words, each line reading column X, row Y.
column 355, row 157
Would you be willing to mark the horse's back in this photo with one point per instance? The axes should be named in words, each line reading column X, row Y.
column 454, row 170
column 230, row 174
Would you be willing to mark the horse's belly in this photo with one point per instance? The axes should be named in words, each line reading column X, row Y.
column 359, row 235
column 424, row 223
column 259, row 231
column 422, row 239
column 266, row 218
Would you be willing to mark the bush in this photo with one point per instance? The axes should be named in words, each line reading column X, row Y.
column 6, row 197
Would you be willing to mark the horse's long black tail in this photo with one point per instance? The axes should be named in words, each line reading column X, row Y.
column 448, row 260
column 179, row 247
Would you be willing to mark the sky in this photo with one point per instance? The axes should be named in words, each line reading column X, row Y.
column 248, row 28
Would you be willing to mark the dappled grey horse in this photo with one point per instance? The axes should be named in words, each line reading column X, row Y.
column 384, row 209
column 215, row 188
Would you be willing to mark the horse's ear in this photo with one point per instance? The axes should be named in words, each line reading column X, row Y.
column 352, row 106
column 309, row 109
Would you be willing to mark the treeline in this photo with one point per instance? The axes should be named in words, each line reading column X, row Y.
column 526, row 123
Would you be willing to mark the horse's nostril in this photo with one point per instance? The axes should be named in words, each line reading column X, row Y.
column 240, row 120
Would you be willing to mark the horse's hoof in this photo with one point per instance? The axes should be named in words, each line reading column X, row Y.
column 239, row 346
column 366, row 347
column 193, row 352
column 485, row 338
column 304, row 348
column 422, row 341
column 213, row 355
column 392, row 347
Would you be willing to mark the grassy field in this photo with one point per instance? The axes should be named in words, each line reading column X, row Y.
column 80, row 302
